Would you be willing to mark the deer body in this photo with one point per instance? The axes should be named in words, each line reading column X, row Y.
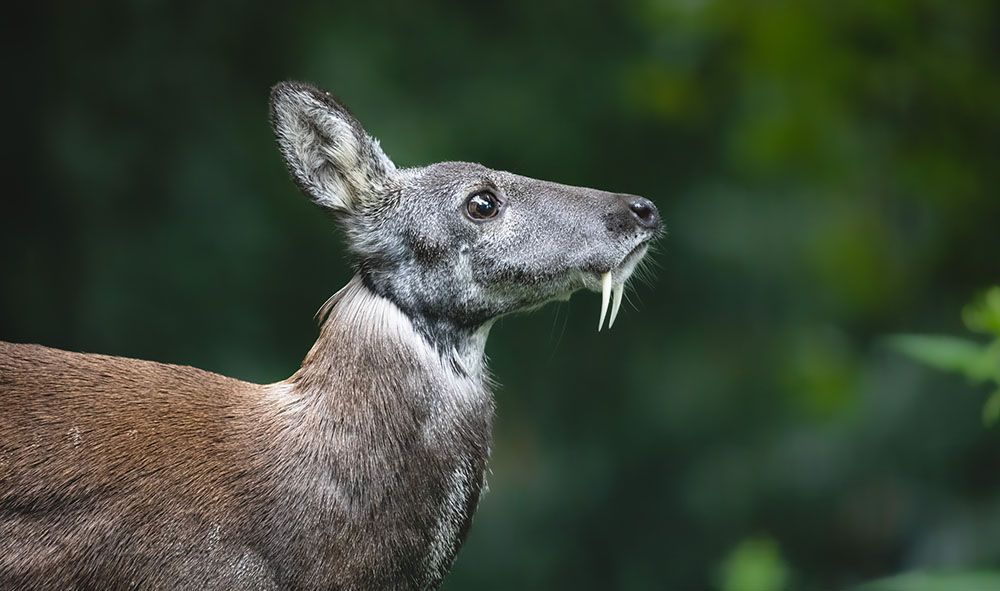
column 360, row 471
column 386, row 473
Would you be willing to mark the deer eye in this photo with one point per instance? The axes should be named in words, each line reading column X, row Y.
column 482, row 205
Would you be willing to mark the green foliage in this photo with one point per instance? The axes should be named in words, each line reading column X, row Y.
column 978, row 362
column 754, row 565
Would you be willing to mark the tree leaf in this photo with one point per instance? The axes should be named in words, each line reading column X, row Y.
column 971, row 359
column 957, row 581
column 983, row 315
column 754, row 565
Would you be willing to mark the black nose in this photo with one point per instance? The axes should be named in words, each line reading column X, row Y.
column 644, row 212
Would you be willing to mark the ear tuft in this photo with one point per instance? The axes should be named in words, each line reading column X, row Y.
column 330, row 156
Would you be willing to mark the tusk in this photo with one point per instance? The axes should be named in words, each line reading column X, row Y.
column 605, row 296
column 616, row 303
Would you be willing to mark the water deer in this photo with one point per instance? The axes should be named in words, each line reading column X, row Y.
column 364, row 468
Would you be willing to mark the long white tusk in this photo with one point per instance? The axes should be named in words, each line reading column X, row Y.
column 605, row 296
column 616, row 303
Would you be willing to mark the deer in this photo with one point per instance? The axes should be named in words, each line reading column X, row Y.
column 362, row 470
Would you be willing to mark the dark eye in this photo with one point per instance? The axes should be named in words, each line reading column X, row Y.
column 482, row 205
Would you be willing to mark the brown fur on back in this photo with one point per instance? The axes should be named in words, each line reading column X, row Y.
column 96, row 452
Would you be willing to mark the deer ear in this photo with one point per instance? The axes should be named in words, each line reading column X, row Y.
column 331, row 157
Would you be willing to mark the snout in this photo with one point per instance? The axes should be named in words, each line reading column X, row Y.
column 633, row 212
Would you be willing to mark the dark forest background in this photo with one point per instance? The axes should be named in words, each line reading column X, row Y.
column 828, row 173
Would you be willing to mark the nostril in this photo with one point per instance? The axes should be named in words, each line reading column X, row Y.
column 644, row 211
column 631, row 212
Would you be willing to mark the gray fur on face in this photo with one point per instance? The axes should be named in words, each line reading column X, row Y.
column 414, row 242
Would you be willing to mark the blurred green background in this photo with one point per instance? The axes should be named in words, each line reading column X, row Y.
column 828, row 172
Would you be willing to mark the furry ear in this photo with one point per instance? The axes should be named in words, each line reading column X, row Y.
column 331, row 157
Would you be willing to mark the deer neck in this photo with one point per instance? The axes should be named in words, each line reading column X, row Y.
column 371, row 353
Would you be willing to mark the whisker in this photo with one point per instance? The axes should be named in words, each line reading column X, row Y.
column 562, row 331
